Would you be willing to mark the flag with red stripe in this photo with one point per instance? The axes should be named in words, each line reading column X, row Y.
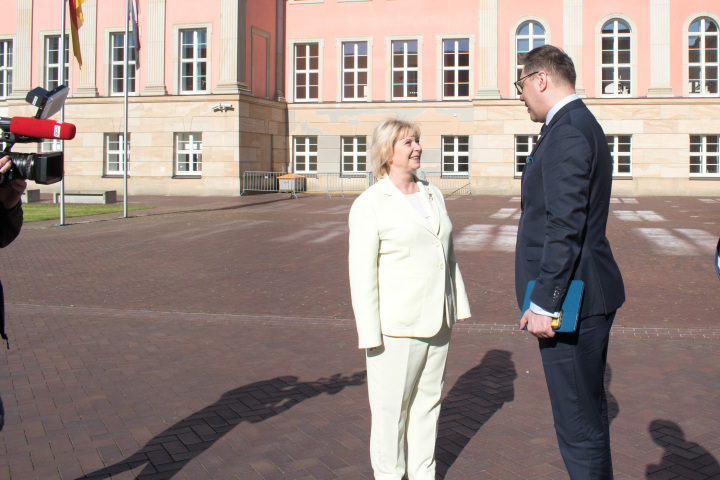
column 76, row 21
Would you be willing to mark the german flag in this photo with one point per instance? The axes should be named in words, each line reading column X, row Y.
column 76, row 21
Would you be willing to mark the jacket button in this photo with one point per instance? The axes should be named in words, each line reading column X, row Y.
column 442, row 265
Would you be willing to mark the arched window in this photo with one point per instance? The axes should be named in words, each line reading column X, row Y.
column 703, row 63
column 529, row 35
column 616, row 58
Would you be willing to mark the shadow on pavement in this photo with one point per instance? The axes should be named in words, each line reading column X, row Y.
column 612, row 404
column 475, row 397
column 167, row 453
column 681, row 459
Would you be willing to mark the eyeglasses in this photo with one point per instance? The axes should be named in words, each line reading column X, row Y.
column 519, row 83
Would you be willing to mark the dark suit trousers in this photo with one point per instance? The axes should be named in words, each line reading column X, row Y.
column 574, row 370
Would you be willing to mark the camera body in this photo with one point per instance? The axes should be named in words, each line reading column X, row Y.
column 43, row 168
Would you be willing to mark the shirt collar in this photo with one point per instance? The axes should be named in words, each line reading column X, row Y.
column 558, row 106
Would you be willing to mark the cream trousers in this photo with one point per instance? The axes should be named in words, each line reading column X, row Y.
column 405, row 381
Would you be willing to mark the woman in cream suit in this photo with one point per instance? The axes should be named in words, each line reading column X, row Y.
column 407, row 292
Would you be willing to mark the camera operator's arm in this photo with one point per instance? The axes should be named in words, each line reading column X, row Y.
column 11, row 214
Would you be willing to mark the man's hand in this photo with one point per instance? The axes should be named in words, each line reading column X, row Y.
column 9, row 197
column 538, row 325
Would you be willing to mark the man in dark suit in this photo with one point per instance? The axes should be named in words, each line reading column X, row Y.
column 561, row 237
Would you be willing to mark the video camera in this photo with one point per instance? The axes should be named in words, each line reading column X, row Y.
column 42, row 168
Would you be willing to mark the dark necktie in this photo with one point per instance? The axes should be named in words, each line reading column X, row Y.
column 543, row 130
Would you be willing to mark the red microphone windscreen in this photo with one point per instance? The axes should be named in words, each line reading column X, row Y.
column 32, row 127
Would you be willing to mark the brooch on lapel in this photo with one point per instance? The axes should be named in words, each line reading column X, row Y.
column 430, row 197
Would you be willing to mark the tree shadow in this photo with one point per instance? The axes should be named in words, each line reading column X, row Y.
column 682, row 459
column 475, row 397
column 167, row 453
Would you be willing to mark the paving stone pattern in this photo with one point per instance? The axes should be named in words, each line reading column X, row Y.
column 212, row 338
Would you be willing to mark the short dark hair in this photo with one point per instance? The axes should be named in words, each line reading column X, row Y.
column 552, row 60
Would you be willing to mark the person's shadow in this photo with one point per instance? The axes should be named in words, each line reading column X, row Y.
column 682, row 459
column 167, row 453
column 612, row 404
column 475, row 397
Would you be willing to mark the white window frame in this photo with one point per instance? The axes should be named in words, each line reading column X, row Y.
column 119, row 152
column 441, row 39
column 528, row 145
column 290, row 61
column 617, row 154
column 633, row 56
column 456, row 155
column 177, row 60
column 309, row 156
column 294, row 71
column 45, row 39
column 515, row 67
column 193, row 153
column 356, row 153
column 111, row 62
column 702, row 64
column 390, row 40
column 340, row 44
column 616, row 37
column 703, row 155
column 50, row 145
column 6, row 68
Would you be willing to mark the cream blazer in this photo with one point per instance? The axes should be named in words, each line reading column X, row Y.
column 403, row 272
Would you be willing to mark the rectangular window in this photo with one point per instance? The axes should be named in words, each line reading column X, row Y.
column 115, row 153
column 456, row 155
column 621, row 151
column 188, row 154
column 307, row 72
column 52, row 61
column 456, row 69
column 354, row 70
column 6, row 68
column 405, row 70
column 117, row 63
column 523, row 146
column 354, row 154
column 193, row 61
column 305, row 154
column 704, row 155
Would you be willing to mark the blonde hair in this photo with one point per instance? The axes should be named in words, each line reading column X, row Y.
column 384, row 137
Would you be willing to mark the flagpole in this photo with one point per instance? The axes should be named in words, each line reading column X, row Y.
column 61, row 81
column 125, row 89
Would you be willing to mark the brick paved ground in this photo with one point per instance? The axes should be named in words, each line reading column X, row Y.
column 213, row 338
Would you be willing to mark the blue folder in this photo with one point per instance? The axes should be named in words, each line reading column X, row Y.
column 570, row 311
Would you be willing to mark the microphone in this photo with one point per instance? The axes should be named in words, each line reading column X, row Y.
column 32, row 127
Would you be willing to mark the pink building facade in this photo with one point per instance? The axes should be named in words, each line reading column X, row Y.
column 205, row 92
column 225, row 87
column 647, row 69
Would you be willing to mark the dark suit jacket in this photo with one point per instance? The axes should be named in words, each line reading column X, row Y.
column 565, row 202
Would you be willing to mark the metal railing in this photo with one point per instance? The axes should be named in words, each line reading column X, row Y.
column 260, row 182
column 448, row 184
column 338, row 184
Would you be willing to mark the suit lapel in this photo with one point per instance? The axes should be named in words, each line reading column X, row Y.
column 570, row 106
column 429, row 203
column 431, row 206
